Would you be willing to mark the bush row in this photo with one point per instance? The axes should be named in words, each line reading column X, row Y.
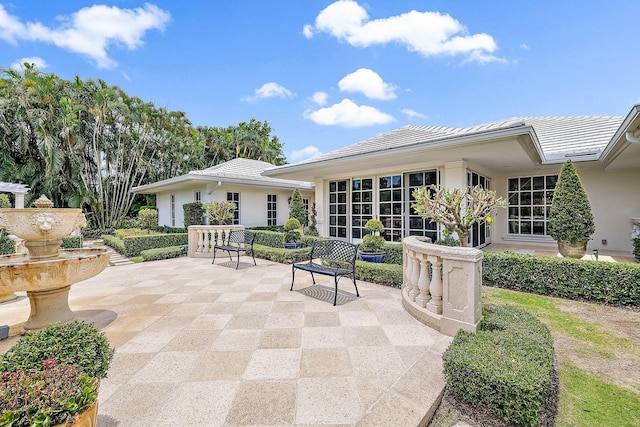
column 113, row 242
column 163, row 253
column 506, row 367
column 382, row 274
column 603, row 282
column 281, row 255
column 392, row 253
column 275, row 239
column 71, row 242
column 135, row 244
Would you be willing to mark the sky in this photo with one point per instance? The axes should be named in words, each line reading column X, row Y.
column 326, row 74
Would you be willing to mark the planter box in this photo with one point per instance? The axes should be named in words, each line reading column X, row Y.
column 292, row 245
column 377, row 257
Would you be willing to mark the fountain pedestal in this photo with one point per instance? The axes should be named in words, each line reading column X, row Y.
column 47, row 272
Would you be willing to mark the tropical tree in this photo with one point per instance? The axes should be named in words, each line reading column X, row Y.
column 457, row 210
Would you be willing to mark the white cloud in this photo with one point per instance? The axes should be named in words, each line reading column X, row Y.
column 307, row 31
column 524, row 46
column 319, row 98
column 304, row 154
column 269, row 90
column 427, row 33
column 89, row 31
column 348, row 114
column 413, row 114
column 369, row 83
column 40, row 63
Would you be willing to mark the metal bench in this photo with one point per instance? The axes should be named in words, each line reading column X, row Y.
column 337, row 258
column 237, row 241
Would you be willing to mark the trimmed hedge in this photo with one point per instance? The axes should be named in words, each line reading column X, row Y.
column 506, row 367
column 163, row 253
column 113, row 242
column 7, row 246
column 165, row 229
column 380, row 273
column 281, row 255
column 133, row 245
column 603, row 282
column 393, row 253
column 71, row 242
column 276, row 240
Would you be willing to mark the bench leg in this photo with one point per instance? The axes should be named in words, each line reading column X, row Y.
column 313, row 278
column 354, row 284
column 214, row 256
column 335, row 296
column 238, row 263
column 229, row 252
column 254, row 257
column 293, row 276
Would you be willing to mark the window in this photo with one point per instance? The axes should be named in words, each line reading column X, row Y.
column 173, row 210
column 417, row 225
column 361, row 206
column 272, row 209
column 529, row 204
column 198, row 196
column 235, row 198
column 305, row 204
column 338, row 209
column 480, row 233
column 391, row 207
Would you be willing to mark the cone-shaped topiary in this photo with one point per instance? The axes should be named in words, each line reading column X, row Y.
column 296, row 208
column 571, row 219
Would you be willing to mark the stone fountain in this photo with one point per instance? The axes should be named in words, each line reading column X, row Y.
column 47, row 272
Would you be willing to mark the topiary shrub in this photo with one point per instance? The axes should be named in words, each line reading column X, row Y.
column 148, row 218
column 296, row 208
column 77, row 343
column 193, row 213
column 291, row 226
column 312, row 230
column 71, row 242
column 507, row 367
column 570, row 217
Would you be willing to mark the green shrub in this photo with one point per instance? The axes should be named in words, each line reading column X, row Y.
column 95, row 233
column 380, row 273
column 312, row 230
column 7, row 246
column 133, row 245
column 71, row 242
column 113, row 242
column 220, row 212
column 148, row 218
column 636, row 248
column 448, row 241
column 277, row 228
column 603, row 282
column 193, row 214
column 129, row 222
column 4, row 201
column 165, row 229
column 392, row 253
column 276, row 240
column 163, row 253
column 506, row 367
column 75, row 343
column 121, row 233
column 297, row 210
column 281, row 255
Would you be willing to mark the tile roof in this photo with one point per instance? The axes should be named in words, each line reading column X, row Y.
column 557, row 135
column 247, row 170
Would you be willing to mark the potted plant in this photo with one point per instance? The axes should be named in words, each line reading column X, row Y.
column 56, row 372
column 372, row 244
column 570, row 219
column 292, row 235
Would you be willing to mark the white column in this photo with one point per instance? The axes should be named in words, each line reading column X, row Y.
column 19, row 200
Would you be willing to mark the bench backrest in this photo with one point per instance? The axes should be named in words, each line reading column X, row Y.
column 241, row 236
column 334, row 250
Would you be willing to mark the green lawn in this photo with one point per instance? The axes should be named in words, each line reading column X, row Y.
column 586, row 399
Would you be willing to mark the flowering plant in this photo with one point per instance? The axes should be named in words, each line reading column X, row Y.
column 45, row 397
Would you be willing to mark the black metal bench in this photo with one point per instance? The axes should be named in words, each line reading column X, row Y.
column 337, row 259
column 237, row 241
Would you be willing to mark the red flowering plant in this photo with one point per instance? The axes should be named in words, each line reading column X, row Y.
column 44, row 397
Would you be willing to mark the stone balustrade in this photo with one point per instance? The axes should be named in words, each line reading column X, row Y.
column 202, row 238
column 441, row 285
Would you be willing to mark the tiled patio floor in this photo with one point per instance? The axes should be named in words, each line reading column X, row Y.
column 207, row 345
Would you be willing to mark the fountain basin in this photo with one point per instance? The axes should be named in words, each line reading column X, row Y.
column 39, row 224
column 47, row 282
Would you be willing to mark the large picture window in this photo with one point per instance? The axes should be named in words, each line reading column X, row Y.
column 235, row 198
column 417, row 225
column 361, row 206
column 391, row 207
column 338, row 204
column 529, row 204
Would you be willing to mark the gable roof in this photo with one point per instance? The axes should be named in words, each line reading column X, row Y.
column 237, row 171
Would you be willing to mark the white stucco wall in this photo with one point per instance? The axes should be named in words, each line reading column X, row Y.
column 253, row 202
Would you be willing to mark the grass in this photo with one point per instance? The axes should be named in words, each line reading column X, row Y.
column 586, row 399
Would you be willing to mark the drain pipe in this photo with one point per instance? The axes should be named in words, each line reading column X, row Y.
column 632, row 138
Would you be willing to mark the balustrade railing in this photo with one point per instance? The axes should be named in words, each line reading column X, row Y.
column 441, row 284
column 202, row 238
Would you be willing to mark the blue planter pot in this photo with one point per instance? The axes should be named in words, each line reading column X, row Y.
column 292, row 245
column 377, row 257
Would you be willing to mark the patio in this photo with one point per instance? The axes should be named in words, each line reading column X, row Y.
column 207, row 345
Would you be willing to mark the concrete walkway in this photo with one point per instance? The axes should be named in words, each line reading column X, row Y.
column 198, row 344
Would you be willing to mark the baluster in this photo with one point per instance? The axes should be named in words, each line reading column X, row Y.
column 415, row 276
column 407, row 272
column 423, row 282
column 200, row 241
column 435, row 305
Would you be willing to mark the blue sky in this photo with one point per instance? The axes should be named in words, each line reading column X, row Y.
column 326, row 74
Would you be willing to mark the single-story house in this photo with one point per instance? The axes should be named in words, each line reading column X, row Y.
column 260, row 200
column 519, row 158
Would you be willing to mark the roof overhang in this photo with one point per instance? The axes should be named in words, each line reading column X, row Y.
column 189, row 180
column 611, row 155
column 516, row 147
